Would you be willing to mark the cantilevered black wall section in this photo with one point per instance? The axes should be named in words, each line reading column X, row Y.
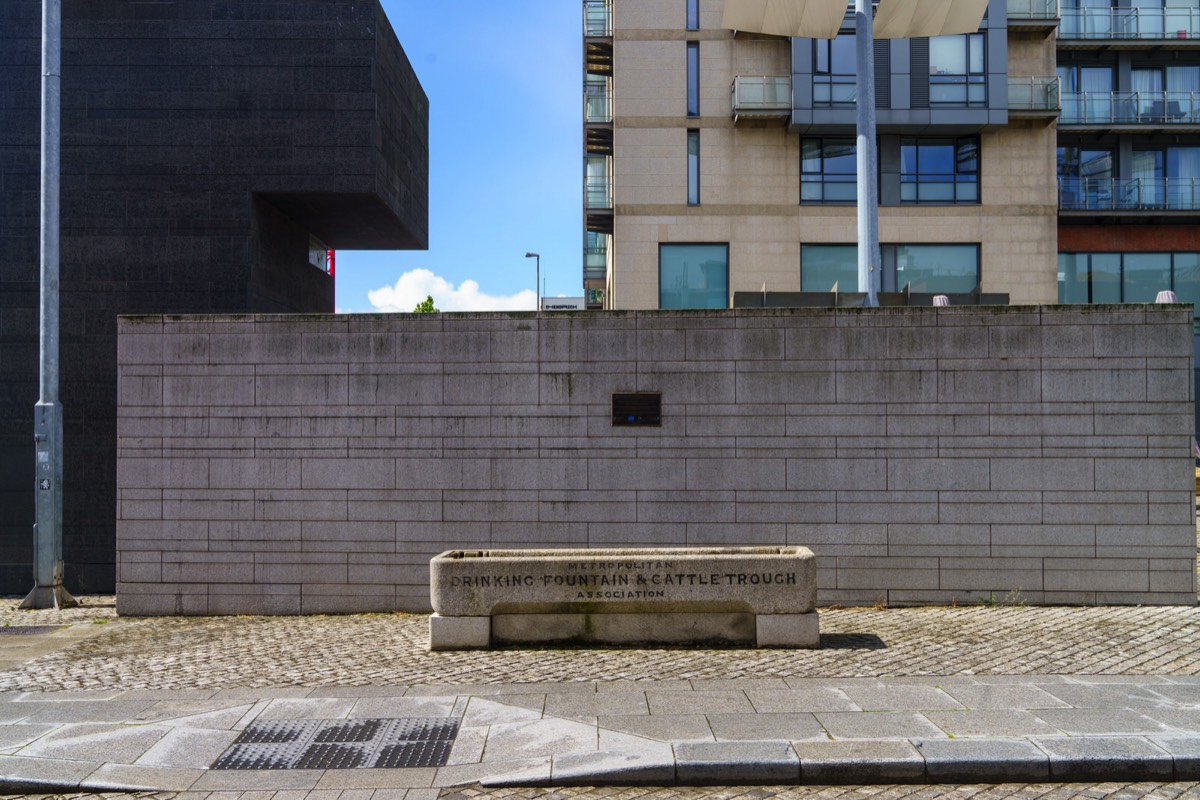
column 207, row 146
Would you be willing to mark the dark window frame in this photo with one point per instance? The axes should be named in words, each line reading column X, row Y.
column 966, row 80
column 962, row 175
column 693, row 79
column 821, row 178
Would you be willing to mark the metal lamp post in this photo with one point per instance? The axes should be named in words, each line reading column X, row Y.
column 537, row 296
column 48, row 591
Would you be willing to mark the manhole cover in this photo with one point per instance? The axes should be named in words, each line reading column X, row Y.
column 342, row 744
column 27, row 630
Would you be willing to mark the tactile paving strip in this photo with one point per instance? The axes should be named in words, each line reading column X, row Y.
column 405, row 743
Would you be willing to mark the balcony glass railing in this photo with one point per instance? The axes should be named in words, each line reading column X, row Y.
column 1130, row 23
column 597, row 17
column 1032, row 10
column 753, row 93
column 1033, row 94
column 1130, row 108
column 598, row 192
column 1136, row 194
column 597, row 104
column 595, row 263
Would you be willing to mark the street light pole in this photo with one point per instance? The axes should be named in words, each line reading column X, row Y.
column 537, row 296
column 48, row 591
column 868, row 192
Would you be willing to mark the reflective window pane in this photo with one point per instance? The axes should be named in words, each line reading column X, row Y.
column 1144, row 276
column 1187, row 278
column 824, row 265
column 1105, row 273
column 1073, row 278
column 693, row 168
column 939, row 268
column 693, row 79
column 693, row 276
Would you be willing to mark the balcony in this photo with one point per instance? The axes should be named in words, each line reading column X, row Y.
column 1032, row 15
column 1138, row 196
column 595, row 265
column 761, row 97
column 597, row 104
column 1033, row 97
column 1132, row 111
column 597, row 18
column 1130, row 27
column 597, row 192
column 597, row 37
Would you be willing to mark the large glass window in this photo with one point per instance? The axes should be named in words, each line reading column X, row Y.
column 828, row 171
column 1087, row 93
column 939, row 171
column 693, row 276
column 1127, row 277
column 1085, row 178
column 957, row 70
column 824, row 266
column 693, row 168
column 834, row 71
column 939, row 268
column 693, row 79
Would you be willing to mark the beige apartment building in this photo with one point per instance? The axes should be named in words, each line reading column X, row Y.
column 721, row 162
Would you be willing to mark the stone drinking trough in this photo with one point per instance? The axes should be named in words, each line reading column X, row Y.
column 756, row 596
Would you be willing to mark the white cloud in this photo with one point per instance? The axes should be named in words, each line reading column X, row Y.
column 415, row 285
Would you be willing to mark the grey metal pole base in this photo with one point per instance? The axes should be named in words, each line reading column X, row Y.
column 55, row 597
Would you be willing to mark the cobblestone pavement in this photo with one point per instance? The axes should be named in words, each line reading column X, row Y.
column 1068, row 791
column 390, row 650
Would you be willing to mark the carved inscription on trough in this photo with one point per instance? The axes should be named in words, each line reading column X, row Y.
column 760, row 580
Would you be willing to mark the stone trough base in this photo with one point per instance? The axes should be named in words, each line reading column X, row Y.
column 753, row 630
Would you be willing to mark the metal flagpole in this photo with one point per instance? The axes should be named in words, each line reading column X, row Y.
column 48, row 591
column 869, row 268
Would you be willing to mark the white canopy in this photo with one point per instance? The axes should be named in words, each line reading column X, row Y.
column 814, row 19
column 904, row 19
column 821, row 19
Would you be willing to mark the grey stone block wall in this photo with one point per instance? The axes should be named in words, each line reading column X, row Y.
column 282, row 464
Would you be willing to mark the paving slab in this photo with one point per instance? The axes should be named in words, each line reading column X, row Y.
column 902, row 698
column 878, row 724
column 813, row 698
column 990, row 697
column 990, row 724
column 693, row 702
column 751, row 727
column 1100, row 721
column 663, row 727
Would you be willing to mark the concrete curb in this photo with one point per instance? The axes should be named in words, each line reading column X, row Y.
column 891, row 761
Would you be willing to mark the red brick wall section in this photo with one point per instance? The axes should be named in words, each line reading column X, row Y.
column 1128, row 238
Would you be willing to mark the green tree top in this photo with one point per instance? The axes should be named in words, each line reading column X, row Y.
column 425, row 306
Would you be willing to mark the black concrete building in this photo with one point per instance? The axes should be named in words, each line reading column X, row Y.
column 208, row 146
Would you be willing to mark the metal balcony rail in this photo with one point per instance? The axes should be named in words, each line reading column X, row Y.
column 1129, row 23
column 598, row 192
column 1033, row 94
column 1130, row 108
column 597, row 104
column 753, row 93
column 597, row 17
column 1134, row 194
column 1032, row 9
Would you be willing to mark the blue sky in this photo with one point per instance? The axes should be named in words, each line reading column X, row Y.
column 504, row 82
